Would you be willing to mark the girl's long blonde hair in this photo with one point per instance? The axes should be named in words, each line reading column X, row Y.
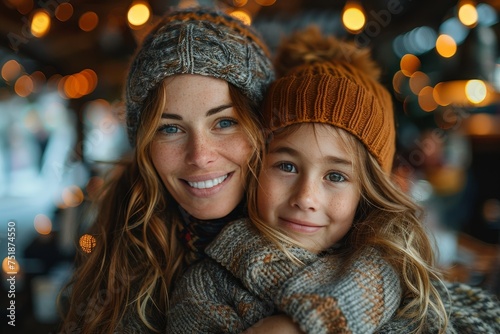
column 137, row 256
column 389, row 220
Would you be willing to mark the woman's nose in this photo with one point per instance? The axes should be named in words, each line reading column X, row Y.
column 201, row 151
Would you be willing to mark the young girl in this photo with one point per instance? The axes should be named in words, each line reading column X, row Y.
column 331, row 242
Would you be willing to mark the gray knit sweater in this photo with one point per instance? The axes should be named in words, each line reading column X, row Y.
column 249, row 278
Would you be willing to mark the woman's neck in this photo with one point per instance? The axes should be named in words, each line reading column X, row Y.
column 195, row 234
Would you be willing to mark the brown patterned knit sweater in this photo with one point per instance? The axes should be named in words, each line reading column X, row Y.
column 249, row 278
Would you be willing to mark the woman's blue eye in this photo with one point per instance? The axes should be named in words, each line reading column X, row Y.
column 335, row 177
column 226, row 123
column 169, row 129
column 287, row 167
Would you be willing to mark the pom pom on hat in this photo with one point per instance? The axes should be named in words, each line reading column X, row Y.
column 325, row 80
column 310, row 46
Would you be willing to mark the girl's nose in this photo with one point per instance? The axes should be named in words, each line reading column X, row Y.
column 306, row 195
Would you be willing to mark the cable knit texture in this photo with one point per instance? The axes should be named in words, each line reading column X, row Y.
column 197, row 41
column 251, row 278
column 471, row 310
column 322, row 296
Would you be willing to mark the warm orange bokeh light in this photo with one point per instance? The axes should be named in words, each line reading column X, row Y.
column 87, row 243
column 64, row 11
column 88, row 21
column 138, row 14
column 481, row 125
column 397, row 81
column 40, row 24
column 467, row 14
column 43, row 224
column 409, row 64
column 446, row 46
column 426, row 100
column 11, row 70
column 242, row 16
column 91, row 77
column 418, row 80
column 353, row 17
column 24, row 86
column 72, row 196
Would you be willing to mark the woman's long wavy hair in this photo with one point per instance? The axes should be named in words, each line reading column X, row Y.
column 389, row 220
column 137, row 256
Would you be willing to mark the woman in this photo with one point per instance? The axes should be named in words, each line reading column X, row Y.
column 192, row 96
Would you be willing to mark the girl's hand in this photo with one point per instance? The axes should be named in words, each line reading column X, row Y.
column 276, row 324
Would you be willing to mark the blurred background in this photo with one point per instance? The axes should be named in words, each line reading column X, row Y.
column 63, row 65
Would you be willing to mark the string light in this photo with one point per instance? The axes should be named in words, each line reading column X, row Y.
column 88, row 21
column 446, row 46
column 467, row 13
column 138, row 14
column 242, row 15
column 40, row 23
column 353, row 17
column 87, row 243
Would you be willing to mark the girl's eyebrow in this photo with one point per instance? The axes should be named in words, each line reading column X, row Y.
column 210, row 112
column 284, row 150
column 294, row 153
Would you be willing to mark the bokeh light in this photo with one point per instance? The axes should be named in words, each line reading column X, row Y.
column 409, row 64
column 467, row 14
column 72, row 196
column 418, row 80
column 40, row 24
column 88, row 21
column 353, row 17
column 24, row 86
column 64, row 11
column 426, row 100
column 42, row 224
column 480, row 125
column 476, row 91
column 87, row 243
column 138, row 13
column 11, row 70
column 446, row 46
column 241, row 15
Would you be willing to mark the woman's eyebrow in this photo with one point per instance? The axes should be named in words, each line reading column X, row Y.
column 210, row 112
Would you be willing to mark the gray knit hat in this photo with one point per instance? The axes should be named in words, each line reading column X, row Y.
column 197, row 41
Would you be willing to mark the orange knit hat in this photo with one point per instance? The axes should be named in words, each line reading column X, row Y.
column 332, row 82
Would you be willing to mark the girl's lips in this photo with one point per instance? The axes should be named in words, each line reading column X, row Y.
column 299, row 226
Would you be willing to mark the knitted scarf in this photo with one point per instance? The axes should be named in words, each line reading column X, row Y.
column 195, row 234
column 323, row 295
